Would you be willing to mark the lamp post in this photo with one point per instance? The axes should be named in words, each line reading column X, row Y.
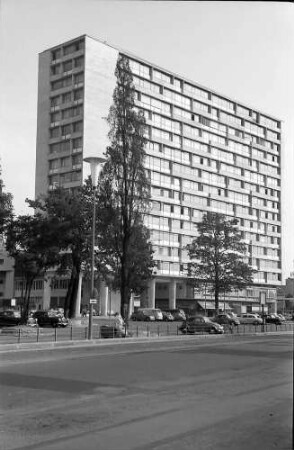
column 94, row 162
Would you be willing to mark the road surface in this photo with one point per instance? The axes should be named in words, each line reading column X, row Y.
column 222, row 392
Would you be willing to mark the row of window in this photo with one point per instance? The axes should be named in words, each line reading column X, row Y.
column 67, row 66
column 65, row 146
column 198, row 134
column 66, row 130
column 66, row 162
column 71, row 80
column 67, row 97
column 66, row 113
column 165, row 108
column 224, row 206
column 67, row 50
column 61, row 179
column 145, row 72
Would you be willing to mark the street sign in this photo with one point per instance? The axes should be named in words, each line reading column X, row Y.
column 93, row 301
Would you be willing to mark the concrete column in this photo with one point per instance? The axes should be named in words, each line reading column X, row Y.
column 151, row 292
column 172, row 294
column 131, row 308
column 78, row 297
column 47, row 293
column 104, row 293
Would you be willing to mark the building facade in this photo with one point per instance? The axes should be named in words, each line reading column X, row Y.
column 205, row 152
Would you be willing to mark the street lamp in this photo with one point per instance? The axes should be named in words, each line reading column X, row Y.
column 95, row 163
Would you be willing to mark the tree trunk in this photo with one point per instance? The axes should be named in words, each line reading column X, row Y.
column 27, row 297
column 216, row 300
column 73, row 299
column 67, row 301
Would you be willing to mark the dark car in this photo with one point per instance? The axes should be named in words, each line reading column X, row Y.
column 226, row 319
column 45, row 319
column 143, row 314
column 273, row 318
column 198, row 324
column 113, row 331
column 9, row 318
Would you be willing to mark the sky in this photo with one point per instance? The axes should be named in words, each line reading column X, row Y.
column 244, row 50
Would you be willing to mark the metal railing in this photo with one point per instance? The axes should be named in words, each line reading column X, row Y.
column 28, row 334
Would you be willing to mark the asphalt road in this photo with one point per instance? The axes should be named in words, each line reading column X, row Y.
column 222, row 392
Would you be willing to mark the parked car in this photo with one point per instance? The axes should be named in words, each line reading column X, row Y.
column 200, row 324
column 157, row 313
column 227, row 319
column 45, row 319
column 283, row 318
column 9, row 318
column 113, row 331
column 273, row 318
column 250, row 318
column 178, row 314
column 143, row 315
column 167, row 316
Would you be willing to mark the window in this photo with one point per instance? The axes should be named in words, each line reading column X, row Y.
column 66, row 98
column 67, row 66
column 65, row 130
column 79, row 62
column 161, row 76
column 78, row 94
column 78, row 127
column 55, row 132
column 79, row 78
column 56, row 54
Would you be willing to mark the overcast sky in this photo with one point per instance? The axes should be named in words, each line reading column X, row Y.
column 241, row 49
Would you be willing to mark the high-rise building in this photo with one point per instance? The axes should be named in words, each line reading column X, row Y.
column 205, row 152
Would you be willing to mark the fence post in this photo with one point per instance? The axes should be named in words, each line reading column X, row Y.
column 148, row 335
column 137, row 330
column 38, row 330
column 158, row 332
column 86, row 332
column 71, row 332
column 177, row 329
column 18, row 337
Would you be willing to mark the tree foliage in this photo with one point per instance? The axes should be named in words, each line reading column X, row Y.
column 69, row 215
column 217, row 256
column 30, row 241
column 6, row 207
column 124, row 194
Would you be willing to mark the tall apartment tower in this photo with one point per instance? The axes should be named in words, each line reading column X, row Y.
column 205, row 152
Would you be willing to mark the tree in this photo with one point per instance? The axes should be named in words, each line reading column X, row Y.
column 69, row 215
column 218, row 253
column 124, row 194
column 30, row 241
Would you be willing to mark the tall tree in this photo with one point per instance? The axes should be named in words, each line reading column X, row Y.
column 124, row 193
column 217, row 256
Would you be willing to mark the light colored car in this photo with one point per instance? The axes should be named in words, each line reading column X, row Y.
column 156, row 312
column 250, row 318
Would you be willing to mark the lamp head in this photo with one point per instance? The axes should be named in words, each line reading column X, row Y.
column 94, row 162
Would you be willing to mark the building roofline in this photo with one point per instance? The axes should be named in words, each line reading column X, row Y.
column 168, row 71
